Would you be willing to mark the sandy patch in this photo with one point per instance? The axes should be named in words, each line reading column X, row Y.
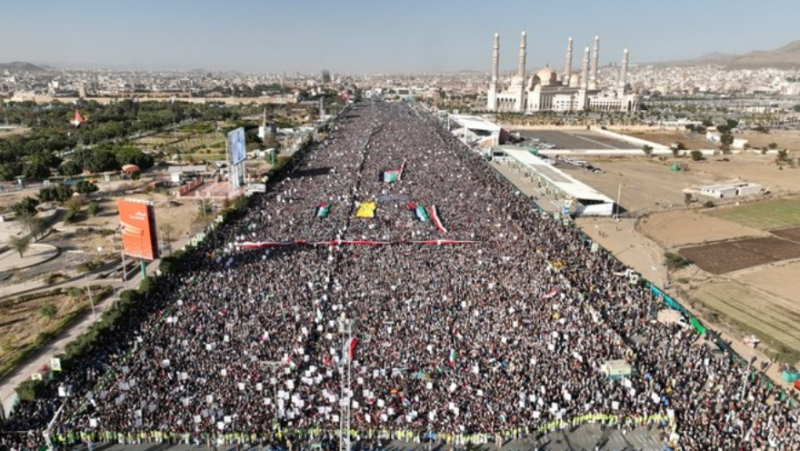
column 773, row 319
column 685, row 227
column 779, row 280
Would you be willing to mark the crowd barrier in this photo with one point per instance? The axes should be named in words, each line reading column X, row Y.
column 70, row 437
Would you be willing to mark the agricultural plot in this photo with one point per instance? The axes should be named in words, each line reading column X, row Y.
column 773, row 319
column 720, row 258
column 773, row 214
column 791, row 234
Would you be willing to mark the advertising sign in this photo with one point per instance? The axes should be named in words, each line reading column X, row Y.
column 138, row 221
column 237, row 146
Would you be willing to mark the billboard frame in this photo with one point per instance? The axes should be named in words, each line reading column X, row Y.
column 134, row 206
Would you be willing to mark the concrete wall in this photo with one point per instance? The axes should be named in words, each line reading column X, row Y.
column 638, row 142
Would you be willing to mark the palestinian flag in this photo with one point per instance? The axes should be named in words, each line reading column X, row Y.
column 78, row 120
column 452, row 358
column 289, row 362
column 436, row 221
column 391, row 176
column 349, row 350
column 550, row 293
column 419, row 211
column 322, row 210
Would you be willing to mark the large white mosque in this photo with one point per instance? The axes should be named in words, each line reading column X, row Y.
column 548, row 90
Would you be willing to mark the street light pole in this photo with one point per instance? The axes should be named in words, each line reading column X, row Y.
column 91, row 299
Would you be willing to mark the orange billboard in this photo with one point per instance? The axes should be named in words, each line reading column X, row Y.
column 138, row 221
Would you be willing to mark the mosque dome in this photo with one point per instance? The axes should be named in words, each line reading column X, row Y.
column 575, row 81
column 547, row 76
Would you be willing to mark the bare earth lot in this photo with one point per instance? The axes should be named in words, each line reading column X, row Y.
column 646, row 184
column 684, row 227
column 21, row 323
column 785, row 139
column 720, row 258
column 773, row 319
column 791, row 234
column 780, row 280
column 692, row 141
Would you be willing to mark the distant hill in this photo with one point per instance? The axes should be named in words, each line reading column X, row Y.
column 20, row 66
column 786, row 57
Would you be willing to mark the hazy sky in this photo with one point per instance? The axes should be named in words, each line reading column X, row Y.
column 358, row 36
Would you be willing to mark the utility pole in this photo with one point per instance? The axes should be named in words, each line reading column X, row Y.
column 346, row 329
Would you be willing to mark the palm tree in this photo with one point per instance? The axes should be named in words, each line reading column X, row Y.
column 20, row 244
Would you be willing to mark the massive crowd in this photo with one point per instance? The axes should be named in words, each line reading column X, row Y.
column 505, row 334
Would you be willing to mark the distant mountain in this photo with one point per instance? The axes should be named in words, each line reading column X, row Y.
column 21, row 66
column 786, row 57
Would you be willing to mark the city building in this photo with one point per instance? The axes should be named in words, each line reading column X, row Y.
column 547, row 90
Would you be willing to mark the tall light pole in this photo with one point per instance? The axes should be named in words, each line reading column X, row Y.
column 274, row 381
column 746, row 379
column 346, row 329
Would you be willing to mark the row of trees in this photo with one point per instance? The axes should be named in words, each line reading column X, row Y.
column 33, row 156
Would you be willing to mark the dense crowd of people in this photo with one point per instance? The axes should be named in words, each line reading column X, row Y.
column 502, row 334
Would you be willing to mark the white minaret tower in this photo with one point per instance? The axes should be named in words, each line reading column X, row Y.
column 492, row 95
column 568, row 64
column 521, row 71
column 623, row 73
column 585, row 72
column 595, row 63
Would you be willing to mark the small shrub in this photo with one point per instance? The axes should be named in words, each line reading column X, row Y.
column 675, row 261
column 8, row 344
column 43, row 338
column 76, row 292
column 69, row 217
column 48, row 310
column 30, row 390
column 94, row 209
column 709, row 204
column 696, row 155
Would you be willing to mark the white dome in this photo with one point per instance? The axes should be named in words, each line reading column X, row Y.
column 575, row 81
column 547, row 76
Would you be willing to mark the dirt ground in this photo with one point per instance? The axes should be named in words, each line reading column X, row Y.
column 785, row 139
column 646, row 184
column 21, row 323
column 14, row 132
column 649, row 184
column 631, row 248
column 685, row 227
column 780, row 280
column 720, row 258
column 791, row 234
column 692, row 141
column 773, row 319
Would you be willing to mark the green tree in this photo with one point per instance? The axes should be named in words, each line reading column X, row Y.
column 57, row 193
column 25, row 207
column 35, row 225
column 726, row 139
column 36, row 170
column 85, row 187
column 697, row 155
column 10, row 170
column 70, row 168
column 647, row 149
column 772, row 146
column 20, row 244
column 48, row 311
column 94, row 208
